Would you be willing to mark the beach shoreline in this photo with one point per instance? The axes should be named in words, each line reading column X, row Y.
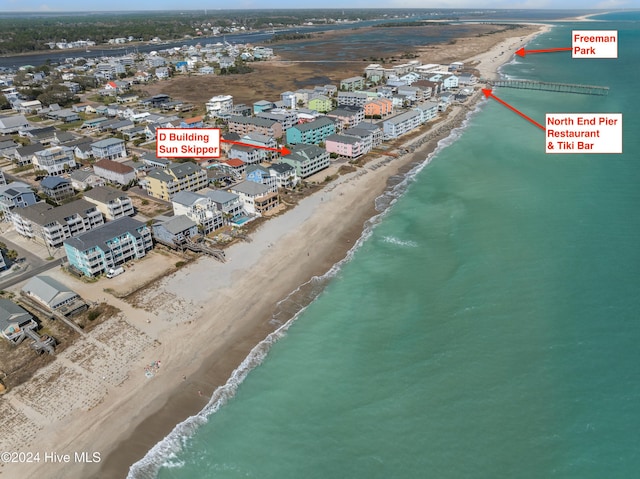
column 134, row 415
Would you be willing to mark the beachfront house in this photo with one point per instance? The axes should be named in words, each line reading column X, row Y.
column 256, row 198
column 365, row 136
column 199, row 208
column 377, row 136
column 229, row 204
column 174, row 231
column 53, row 295
column 14, row 321
column 113, row 244
column 284, row 175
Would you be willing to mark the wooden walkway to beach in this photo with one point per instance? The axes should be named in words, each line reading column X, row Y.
column 550, row 86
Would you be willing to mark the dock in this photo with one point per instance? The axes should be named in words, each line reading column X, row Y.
column 551, row 86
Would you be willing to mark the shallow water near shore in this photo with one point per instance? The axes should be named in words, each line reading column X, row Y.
column 487, row 325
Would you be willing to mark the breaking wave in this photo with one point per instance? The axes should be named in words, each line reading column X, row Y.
column 165, row 453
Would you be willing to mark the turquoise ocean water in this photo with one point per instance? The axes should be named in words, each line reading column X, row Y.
column 486, row 327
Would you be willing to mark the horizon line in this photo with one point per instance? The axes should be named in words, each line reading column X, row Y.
column 319, row 9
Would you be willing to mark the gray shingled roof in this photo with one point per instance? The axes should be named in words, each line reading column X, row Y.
column 14, row 189
column 186, row 198
column 221, row 196
column 99, row 236
column 51, row 182
column 181, row 170
column 251, row 188
column 107, row 142
column 178, row 224
column 104, row 194
column 43, row 213
column 10, row 312
column 282, row 168
column 343, row 139
column 250, row 120
column 317, row 123
column 12, row 121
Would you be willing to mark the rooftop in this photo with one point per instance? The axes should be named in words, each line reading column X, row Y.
column 98, row 237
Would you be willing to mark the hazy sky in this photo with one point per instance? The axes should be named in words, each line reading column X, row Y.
column 118, row 5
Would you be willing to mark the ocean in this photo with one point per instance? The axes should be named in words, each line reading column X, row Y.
column 485, row 326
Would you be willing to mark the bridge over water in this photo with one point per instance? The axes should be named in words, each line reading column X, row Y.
column 550, row 86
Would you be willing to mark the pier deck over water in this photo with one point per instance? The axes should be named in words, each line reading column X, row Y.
column 550, row 86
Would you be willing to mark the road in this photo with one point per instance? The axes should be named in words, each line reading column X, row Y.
column 17, row 278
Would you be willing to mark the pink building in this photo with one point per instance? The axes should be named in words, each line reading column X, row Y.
column 347, row 146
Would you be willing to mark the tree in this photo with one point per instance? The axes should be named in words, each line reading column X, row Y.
column 57, row 93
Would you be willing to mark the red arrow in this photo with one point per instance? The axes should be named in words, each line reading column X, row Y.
column 522, row 52
column 283, row 151
column 489, row 94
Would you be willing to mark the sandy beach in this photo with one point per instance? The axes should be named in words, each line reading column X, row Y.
column 123, row 387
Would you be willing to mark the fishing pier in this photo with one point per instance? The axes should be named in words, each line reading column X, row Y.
column 550, row 86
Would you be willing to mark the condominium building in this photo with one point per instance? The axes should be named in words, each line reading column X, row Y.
column 307, row 159
column 313, row 132
column 112, row 203
column 401, row 124
column 247, row 124
column 352, row 84
column 51, row 225
column 109, row 246
column 164, row 183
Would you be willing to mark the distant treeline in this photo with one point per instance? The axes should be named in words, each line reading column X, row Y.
column 27, row 33
column 281, row 37
column 410, row 24
column 30, row 32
